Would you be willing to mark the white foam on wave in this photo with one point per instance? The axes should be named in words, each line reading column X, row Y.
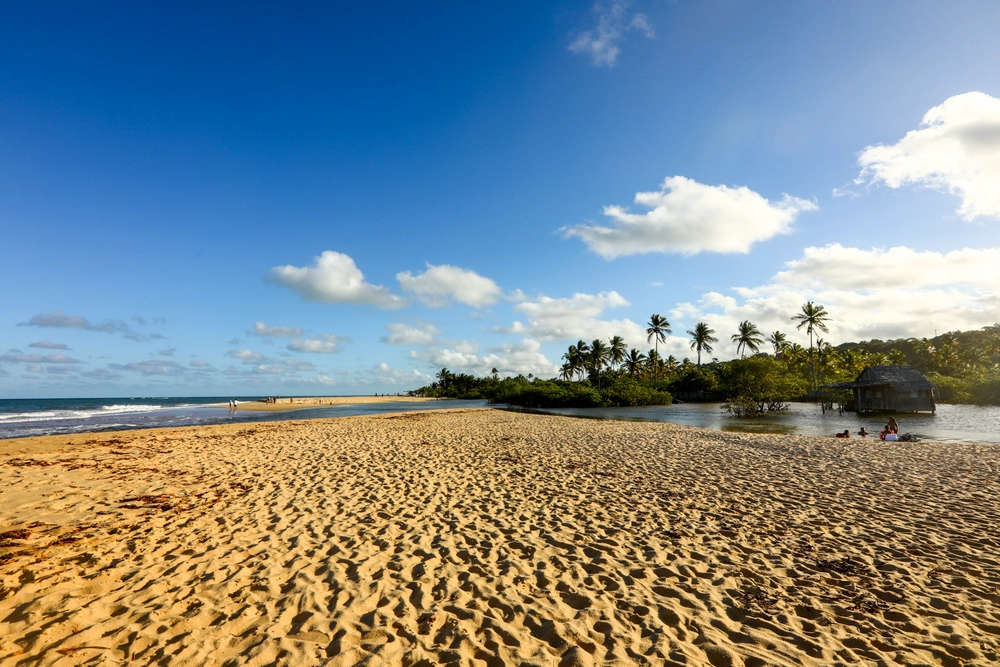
column 57, row 415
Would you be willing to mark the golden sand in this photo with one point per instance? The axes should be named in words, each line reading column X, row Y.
column 482, row 537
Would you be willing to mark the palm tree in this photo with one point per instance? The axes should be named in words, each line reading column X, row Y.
column 495, row 373
column 779, row 341
column 702, row 339
column 657, row 331
column 617, row 351
column 444, row 376
column 670, row 364
column 653, row 362
column 599, row 355
column 633, row 362
column 566, row 371
column 748, row 337
column 813, row 318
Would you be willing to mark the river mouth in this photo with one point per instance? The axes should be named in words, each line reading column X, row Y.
column 951, row 423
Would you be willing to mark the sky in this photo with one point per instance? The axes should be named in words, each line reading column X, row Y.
column 204, row 199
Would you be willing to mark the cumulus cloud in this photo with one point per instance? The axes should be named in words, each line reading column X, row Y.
column 47, row 345
column 956, row 149
column 614, row 22
column 246, row 356
column 509, row 359
column 198, row 363
column 102, row 374
column 439, row 284
column 552, row 319
column 836, row 267
column 38, row 358
column 405, row 334
column 150, row 367
column 167, row 351
column 322, row 344
column 383, row 373
column 61, row 320
column 333, row 278
column 261, row 329
column 876, row 293
column 688, row 217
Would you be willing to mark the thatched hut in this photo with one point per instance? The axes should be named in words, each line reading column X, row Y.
column 890, row 389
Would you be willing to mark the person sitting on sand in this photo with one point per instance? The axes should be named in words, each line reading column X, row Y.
column 892, row 425
column 863, row 433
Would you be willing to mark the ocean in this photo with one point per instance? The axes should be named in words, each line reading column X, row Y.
column 58, row 416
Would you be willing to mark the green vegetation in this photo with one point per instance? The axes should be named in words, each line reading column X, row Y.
column 758, row 385
column 965, row 366
column 618, row 390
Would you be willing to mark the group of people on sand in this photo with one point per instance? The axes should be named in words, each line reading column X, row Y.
column 232, row 404
column 274, row 399
column 890, row 433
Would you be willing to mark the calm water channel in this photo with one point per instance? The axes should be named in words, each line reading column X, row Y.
column 951, row 423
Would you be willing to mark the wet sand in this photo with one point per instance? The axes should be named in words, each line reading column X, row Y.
column 482, row 537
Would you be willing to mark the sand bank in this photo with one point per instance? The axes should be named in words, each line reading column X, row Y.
column 481, row 537
column 298, row 403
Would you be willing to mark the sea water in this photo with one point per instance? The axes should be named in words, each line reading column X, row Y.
column 59, row 416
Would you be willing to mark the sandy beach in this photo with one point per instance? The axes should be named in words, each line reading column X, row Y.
column 483, row 537
column 299, row 403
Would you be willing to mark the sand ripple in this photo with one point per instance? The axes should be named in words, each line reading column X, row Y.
column 483, row 537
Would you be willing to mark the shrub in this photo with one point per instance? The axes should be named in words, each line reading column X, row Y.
column 755, row 386
column 626, row 392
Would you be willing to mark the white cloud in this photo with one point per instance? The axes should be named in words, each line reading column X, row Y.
column 150, row 367
column 167, row 352
column 198, row 363
column 322, row 344
column 46, row 345
column 246, row 356
column 837, row 267
column 956, row 149
column 333, row 278
column 509, row 359
column 261, row 329
column 613, row 23
column 101, row 374
column 405, row 334
column 59, row 319
column 386, row 374
column 895, row 293
column 688, row 217
column 577, row 317
column 439, row 284
column 39, row 358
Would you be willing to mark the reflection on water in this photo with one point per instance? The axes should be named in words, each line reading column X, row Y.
column 951, row 423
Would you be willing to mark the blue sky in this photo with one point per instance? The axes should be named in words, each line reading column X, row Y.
column 341, row 198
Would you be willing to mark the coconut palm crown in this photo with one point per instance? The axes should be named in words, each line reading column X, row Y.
column 702, row 339
column 657, row 331
column 747, row 337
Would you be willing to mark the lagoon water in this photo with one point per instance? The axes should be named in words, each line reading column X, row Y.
column 951, row 423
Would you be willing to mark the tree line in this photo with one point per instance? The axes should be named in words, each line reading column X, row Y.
column 964, row 366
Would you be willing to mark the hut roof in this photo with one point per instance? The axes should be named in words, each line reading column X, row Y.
column 901, row 378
